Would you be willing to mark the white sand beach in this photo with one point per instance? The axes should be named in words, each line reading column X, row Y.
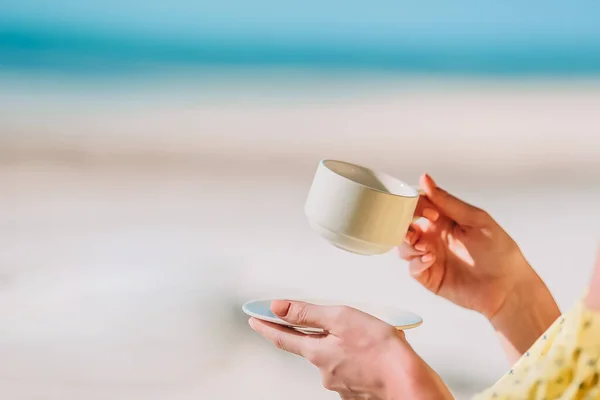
column 134, row 224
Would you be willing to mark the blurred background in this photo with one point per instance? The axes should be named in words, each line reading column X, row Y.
column 155, row 157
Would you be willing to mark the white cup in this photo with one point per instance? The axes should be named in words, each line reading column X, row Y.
column 359, row 210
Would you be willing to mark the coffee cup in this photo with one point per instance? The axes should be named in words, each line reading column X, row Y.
column 359, row 210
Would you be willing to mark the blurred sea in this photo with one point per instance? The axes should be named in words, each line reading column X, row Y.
column 465, row 37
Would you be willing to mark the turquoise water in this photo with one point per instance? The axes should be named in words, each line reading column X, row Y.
column 461, row 37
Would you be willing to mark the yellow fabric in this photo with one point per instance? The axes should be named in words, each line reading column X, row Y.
column 563, row 364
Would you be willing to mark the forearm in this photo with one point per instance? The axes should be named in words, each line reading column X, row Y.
column 592, row 299
column 527, row 313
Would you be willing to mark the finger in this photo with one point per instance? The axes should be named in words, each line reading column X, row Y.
column 304, row 314
column 418, row 245
column 419, row 266
column 452, row 207
column 406, row 250
column 423, row 245
column 408, row 253
column 413, row 235
column 282, row 337
column 425, row 208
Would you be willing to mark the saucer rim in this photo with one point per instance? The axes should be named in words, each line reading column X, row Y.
column 281, row 322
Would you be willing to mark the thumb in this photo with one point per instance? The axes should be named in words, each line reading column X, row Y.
column 303, row 314
column 454, row 208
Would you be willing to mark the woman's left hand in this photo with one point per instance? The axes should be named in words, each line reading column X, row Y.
column 360, row 356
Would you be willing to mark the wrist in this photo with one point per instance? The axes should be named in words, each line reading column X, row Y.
column 509, row 290
column 527, row 312
column 396, row 366
column 529, row 297
column 405, row 375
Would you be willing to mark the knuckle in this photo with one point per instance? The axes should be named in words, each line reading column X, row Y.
column 312, row 357
column 279, row 343
column 341, row 318
column 341, row 313
column 379, row 331
column 300, row 313
column 331, row 380
column 328, row 382
column 389, row 331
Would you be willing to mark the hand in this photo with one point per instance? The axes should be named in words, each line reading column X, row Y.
column 460, row 253
column 360, row 357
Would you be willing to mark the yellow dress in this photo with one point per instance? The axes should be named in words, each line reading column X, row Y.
column 562, row 364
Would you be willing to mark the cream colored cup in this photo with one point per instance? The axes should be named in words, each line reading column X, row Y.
column 359, row 210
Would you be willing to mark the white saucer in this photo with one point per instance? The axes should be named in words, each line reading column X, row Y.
column 398, row 318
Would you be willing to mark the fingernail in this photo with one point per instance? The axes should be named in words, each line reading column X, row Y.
column 418, row 268
column 408, row 237
column 427, row 257
column 431, row 179
column 251, row 323
column 431, row 214
column 420, row 247
column 280, row 307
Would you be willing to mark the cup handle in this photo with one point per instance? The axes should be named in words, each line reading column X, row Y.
column 421, row 193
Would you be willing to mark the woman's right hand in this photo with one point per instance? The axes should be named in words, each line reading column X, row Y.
column 460, row 253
